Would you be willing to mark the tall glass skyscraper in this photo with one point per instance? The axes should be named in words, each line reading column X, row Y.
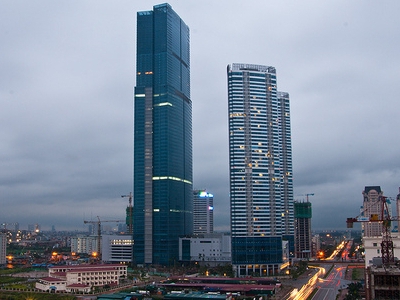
column 163, row 193
column 260, row 161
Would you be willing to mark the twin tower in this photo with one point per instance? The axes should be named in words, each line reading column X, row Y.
column 261, row 186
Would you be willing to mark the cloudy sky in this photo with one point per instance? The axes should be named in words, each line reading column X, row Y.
column 67, row 73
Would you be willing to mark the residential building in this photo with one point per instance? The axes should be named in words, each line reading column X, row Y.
column 85, row 244
column 372, row 208
column 163, row 189
column 117, row 248
column 206, row 249
column 203, row 212
column 316, row 244
column 81, row 278
column 303, row 238
column 260, row 162
column 3, row 249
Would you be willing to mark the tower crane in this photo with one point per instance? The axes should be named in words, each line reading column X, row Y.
column 384, row 218
column 307, row 195
column 312, row 194
column 129, row 213
column 98, row 223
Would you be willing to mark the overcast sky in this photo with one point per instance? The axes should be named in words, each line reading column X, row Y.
column 67, row 73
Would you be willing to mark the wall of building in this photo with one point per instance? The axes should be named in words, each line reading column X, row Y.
column 372, row 247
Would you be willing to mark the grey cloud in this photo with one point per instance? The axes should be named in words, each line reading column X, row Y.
column 67, row 71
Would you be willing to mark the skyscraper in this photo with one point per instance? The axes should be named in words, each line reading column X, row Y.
column 203, row 212
column 372, row 205
column 3, row 249
column 163, row 193
column 303, row 242
column 260, row 162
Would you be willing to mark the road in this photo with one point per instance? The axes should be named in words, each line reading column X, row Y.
column 329, row 287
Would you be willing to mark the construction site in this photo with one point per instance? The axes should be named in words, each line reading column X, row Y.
column 382, row 274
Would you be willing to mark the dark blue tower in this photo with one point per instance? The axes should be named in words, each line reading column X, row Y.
column 163, row 193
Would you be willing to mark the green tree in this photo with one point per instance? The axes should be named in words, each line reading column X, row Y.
column 353, row 291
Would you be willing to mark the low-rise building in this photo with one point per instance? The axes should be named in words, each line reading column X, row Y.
column 85, row 244
column 211, row 249
column 81, row 278
column 117, row 248
column 373, row 248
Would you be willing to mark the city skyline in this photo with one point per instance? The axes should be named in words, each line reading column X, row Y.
column 68, row 72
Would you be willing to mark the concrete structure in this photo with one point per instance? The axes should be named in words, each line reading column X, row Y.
column 260, row 162
column 382, row 282
column 371, row 206
column 163, row 187
column 117, row 248
column 3, row 249
column 203, row 212
column 82, row 277
column 85, row 244
column 372, row 246
column 303, row 238
column 211, row 249
column 316, row 244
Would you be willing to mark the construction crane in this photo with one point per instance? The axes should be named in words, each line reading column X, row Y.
column 129, row 213
column 384, row 218
column 312, row 194
column 307, row 195
column 98, row 223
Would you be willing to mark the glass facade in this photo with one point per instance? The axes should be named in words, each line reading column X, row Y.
column 260, row 157
column 163, row 193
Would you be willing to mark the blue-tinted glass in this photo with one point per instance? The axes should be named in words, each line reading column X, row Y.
column 163, row 71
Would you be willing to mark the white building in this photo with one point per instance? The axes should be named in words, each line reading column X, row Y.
column 203, row 212
column 3, row 249
column 372, row 206
column 84, row 244
column 82, row 277
column 372, row 246
column 117, row 248
column 316, row 240
column 212, row 249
